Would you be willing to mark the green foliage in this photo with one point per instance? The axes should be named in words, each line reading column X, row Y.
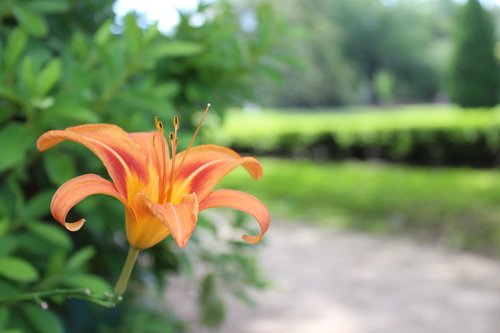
column 455, row 206
column 421, row 135
column 234, row 58
column 384, row 86
column 340, row 47
column 63, row 63
column 475, row 73
column 17, row 269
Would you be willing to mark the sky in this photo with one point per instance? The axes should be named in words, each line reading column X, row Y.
column 163, row 11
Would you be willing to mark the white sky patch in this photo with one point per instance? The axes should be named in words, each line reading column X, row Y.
column 165, row 12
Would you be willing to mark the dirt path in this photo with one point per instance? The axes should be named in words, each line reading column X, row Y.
column 346, row 282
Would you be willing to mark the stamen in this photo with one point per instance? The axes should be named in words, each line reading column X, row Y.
column 159, row 125
column 173, row 146
column 176, row 123
column 162, row 159
column 172, row 138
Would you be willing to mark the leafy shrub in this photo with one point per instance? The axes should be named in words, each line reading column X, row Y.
column 61, row 65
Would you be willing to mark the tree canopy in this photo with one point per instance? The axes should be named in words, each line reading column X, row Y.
column 347, row 51
column 475, row 74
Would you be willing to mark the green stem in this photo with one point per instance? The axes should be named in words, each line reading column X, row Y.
column 121, row 285
column 37, row 297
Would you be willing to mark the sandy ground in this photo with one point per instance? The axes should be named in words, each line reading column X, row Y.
column 328, row 281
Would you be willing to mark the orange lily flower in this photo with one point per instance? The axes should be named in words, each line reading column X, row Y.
column 162, row 190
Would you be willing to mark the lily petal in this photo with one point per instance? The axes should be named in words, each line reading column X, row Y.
column 118, row 152
column 150, row 145
column 240, row 201
column 144, row 228
column 180, row 219
column 75, row 190
column 206, row 165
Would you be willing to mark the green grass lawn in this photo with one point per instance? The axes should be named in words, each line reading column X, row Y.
column 460, row 207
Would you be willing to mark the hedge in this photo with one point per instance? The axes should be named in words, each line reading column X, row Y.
column 477, row 146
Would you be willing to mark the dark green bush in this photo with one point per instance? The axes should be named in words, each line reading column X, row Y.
column 453, row 146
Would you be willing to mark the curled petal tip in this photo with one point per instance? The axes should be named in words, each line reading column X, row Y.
column 41, row 143
column 253, row 166
column 244, row 202
column 74, row 226
column 252, row 239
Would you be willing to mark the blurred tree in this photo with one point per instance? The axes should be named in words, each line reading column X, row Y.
column 376, row 36
column 320, row 75
column 384, row 86
column 341, row 45
column 316, row 72
column 475, row 74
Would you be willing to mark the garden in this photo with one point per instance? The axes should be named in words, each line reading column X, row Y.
column 353, row 158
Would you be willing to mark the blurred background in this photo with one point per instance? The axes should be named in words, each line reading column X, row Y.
column 377, row 124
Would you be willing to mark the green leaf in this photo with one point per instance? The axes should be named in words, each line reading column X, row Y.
column 6, row 6
column 38, row 206
column 56, row 263
column 4, row 317
column 7, row 289
column 132, row 35
column 71, row 112
column 151, row 33
column 81, row 258
column 48, row 77
column 167, row 89
column 176, row 49
column 8, row 93
column 33, row 23
column 79, row 45
column 15, row 46
column 4, row 226
column 43, row 103
column 17, row 269
column 96, row 284
column 212, row 306
column 59, row 166
column 52, row 233
column 28, row 74
column 44, row 321
column 47, row 6
column 8, row 244
column 34, row 245
column 15, row 141
column 103, row 35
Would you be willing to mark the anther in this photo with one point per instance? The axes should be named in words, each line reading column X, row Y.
column 171, row 137
column 176, row 122
column 158, row 124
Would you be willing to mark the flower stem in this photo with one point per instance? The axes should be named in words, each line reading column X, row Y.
column 37, row 297
column 121, row 285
